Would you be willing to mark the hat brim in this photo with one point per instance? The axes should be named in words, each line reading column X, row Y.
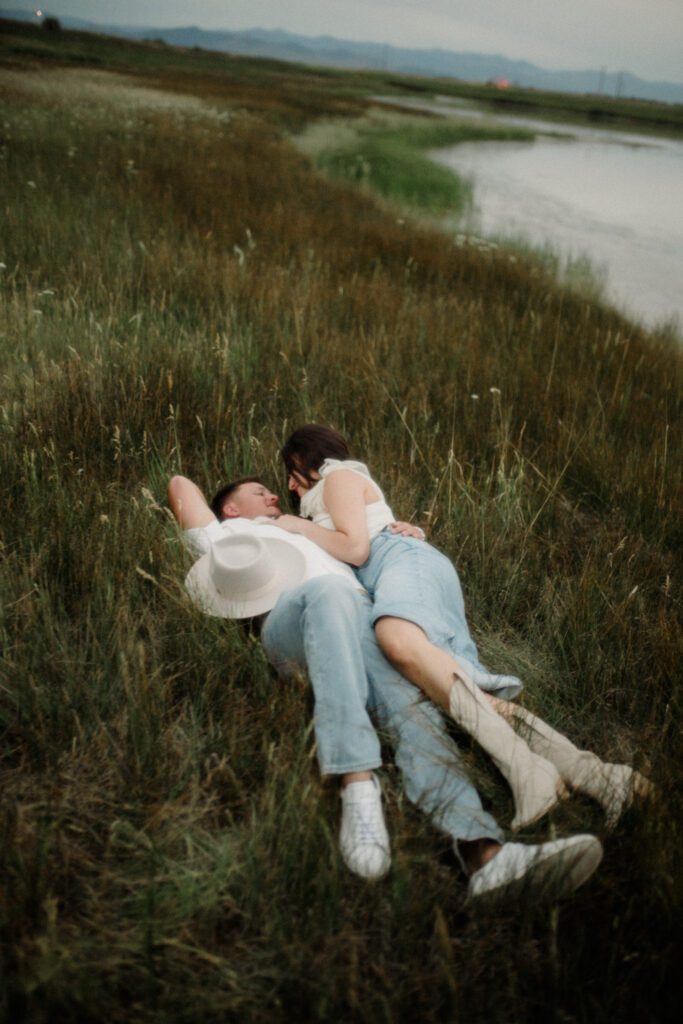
column 289, row 567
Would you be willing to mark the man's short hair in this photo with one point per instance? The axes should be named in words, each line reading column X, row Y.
column 220, row 497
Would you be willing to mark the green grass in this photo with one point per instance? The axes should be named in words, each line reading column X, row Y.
column 388, row 155
column 180, row 287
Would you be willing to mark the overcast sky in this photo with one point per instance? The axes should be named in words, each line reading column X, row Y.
column 642, row 36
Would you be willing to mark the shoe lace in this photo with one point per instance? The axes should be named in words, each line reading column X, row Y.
column 365, row 823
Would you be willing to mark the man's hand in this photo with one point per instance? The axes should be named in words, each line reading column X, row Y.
column 407, row 530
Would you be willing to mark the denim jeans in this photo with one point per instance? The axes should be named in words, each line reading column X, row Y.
column 324, row 627
column 315, row 628
column 409, row 579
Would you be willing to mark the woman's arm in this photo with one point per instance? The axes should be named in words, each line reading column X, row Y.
column 345, row 499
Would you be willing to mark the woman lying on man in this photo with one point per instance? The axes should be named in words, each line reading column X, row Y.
column 419, row 620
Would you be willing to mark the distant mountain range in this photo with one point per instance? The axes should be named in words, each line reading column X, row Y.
column 343, row 53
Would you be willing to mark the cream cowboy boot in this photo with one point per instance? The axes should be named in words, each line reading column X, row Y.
column 535, row 783
column 613, row 786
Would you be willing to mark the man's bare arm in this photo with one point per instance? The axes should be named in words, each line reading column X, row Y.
column 188, row 504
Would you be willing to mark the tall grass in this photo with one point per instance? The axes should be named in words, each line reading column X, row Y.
column 179, row 288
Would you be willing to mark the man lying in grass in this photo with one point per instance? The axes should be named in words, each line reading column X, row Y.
column 318, row 619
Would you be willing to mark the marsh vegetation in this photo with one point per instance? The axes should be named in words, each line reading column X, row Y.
column 386, row 153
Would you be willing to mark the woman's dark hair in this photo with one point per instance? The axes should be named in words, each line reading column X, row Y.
column 307, row 447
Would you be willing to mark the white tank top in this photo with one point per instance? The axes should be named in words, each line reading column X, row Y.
column 313, row 506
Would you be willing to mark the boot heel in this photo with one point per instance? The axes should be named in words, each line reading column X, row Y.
column 521, row 820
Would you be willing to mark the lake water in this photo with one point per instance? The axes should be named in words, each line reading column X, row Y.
column 612, row 196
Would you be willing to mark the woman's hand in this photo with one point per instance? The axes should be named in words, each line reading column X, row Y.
column 292, row 524
column 407, row 530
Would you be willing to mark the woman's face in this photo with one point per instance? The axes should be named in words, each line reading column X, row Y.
column 298, row 483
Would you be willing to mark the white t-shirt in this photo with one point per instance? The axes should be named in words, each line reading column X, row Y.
column 318, row 562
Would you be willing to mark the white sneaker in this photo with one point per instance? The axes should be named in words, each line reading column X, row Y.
column 363, row 838
column 546, row 871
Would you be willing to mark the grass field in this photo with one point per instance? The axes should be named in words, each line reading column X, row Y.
column 179, row 287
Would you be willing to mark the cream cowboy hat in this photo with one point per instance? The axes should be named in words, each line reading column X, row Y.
column 243, row 575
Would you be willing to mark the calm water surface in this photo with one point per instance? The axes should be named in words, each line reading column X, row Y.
column 615, row 197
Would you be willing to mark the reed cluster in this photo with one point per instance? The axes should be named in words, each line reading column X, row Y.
column 180, row 286
column 387, row 153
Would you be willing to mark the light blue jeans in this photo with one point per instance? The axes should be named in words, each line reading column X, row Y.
column 409, row 579
column 324, row 628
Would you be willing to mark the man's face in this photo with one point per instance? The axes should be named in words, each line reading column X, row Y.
column 252, row 500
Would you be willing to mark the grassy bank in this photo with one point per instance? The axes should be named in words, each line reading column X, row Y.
column 304, row 87
column 602, row 111
column 179, row 287
column 388, row 154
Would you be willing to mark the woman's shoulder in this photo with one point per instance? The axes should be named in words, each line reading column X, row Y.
column 313, row 501
column 332, row 465
column 358, row 468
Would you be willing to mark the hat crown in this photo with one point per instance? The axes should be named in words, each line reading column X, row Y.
column 240, row 564
column 243, row 574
